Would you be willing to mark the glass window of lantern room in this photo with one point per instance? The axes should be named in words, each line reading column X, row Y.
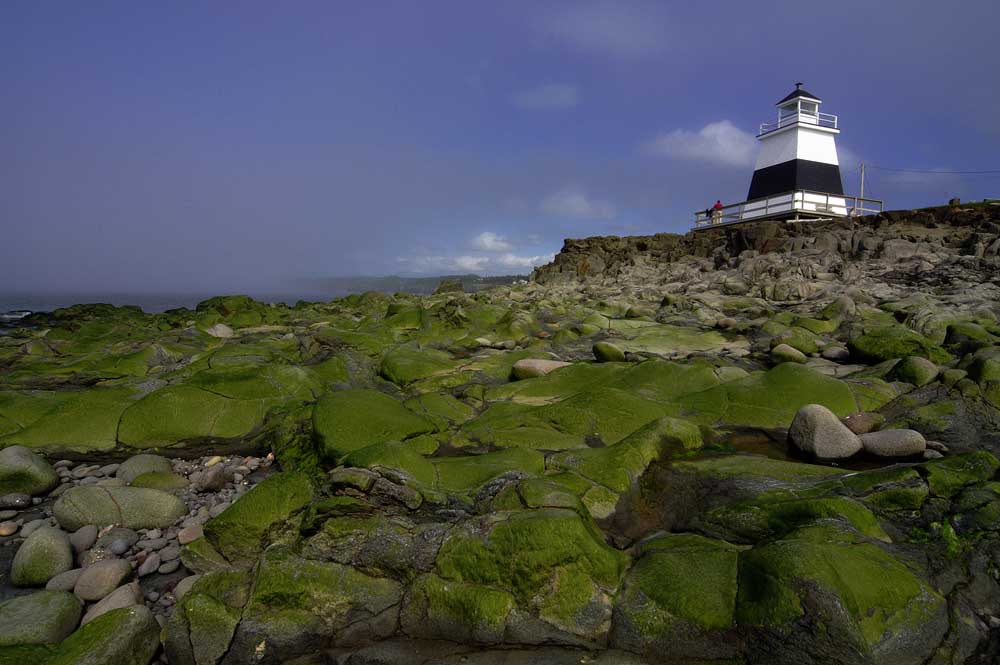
column 809, row 108
column 789, row 110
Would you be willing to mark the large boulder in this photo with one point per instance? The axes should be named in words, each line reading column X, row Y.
column 606, row 352
column 45, row 617
column 24, row 471
column 818, row 431
column 127, row 636
column 916, row 370
column 43, row 555
column 130, row 507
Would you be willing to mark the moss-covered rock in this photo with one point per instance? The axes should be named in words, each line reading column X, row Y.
column 137, row 465
column 679, row 599
column 617, row 467
column 441, row 609
column 130, row 507
column 405, row 365
column 23, row 471
column 44, row 617
column 916, row 370
column 282, row 611
column 518, row 551
column 80, row 421
column 177, row 414
column 127, row 636
column 946, row 477
column 348, row 420
column 606, row 352
column 396, row 456
column 43, row 555
column 238, row 532
column 203, row 623
column 768, row 399
column 159, row 480
column 826, row 587
column 468, row 473
column 888, row 342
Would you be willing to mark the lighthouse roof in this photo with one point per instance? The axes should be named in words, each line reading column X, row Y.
column 798, row 92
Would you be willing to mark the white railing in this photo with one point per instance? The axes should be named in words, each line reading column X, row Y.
column 812, row 204
column 820, row 119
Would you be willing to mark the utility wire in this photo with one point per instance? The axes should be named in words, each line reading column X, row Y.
column 885, row 168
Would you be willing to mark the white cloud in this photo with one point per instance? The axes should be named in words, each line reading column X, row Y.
column 548, row 97
column 514, row 261
column 482, row 264
column 472, row 263
column 574, row 203
column 491, row 242
column 609, row 27
column 718, row 142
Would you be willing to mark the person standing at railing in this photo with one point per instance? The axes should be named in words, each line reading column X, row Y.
column 717, row 212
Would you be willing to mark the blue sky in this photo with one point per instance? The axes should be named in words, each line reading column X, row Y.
column 248, row 145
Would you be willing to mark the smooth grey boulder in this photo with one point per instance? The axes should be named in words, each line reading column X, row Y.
column 24, row 471
column 64, row 581
column 42, row 556
column 83, row 538
column 131, row 507
column 137, row 465
column 101, row 578
column 818, row 431
column 529, row 368
column 894, row 443
column 45, row 617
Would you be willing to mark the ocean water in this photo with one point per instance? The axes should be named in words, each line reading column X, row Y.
column 149, row 302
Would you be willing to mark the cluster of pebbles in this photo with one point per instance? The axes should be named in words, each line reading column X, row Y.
column 111, row 566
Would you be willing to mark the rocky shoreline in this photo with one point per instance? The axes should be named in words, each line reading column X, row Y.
column 756, row 444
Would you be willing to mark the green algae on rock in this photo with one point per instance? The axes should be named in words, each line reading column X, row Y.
column 127, row 636
column 238, row 532
column 348, row 420
column 130, row 507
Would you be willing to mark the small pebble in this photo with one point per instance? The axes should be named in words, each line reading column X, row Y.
column 15, row 500
column 170, row 553
column 150, row 565
column 170, row 566
column 153, row 533
column 7, row 514
column 212, row 461
column 189, row 534
column 119, row 546
column 152, row 544
column 8, row 528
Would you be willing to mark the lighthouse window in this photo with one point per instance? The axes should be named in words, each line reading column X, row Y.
column 809, row 108
column 789, row 110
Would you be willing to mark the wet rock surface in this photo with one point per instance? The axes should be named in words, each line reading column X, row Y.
column 758, row 444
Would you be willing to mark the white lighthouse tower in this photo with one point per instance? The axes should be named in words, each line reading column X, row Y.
column 797, row 175
column 797, row 150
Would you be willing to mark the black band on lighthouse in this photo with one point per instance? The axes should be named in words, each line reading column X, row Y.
column 795, row 174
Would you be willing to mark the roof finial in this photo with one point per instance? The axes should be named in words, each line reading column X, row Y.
column 798, row 85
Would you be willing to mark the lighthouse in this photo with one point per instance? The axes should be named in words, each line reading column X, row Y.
column 797, row 150
column 797, row 174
